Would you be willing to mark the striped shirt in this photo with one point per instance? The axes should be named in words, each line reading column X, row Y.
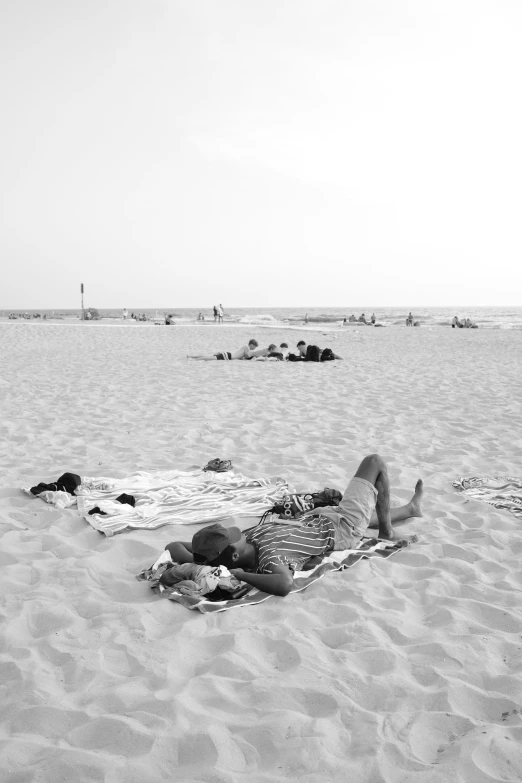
column 290, row 543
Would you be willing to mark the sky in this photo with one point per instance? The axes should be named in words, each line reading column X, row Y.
column 260, row 152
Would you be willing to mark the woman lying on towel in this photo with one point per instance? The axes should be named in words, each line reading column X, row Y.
column 246, row 352
column 267, row 555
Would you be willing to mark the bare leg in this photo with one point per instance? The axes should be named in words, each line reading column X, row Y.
column 203, row 358
column 373, row 469
column 402, row 513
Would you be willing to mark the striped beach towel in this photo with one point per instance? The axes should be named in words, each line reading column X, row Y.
column 176, row 497
column 503, row 492
column 337, row 561
column 181, row 497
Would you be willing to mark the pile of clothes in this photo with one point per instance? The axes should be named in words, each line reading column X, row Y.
column 189, row 579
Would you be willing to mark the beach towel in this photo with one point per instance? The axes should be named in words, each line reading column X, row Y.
column 503, row 492
column 336, row 561
column 181, row 497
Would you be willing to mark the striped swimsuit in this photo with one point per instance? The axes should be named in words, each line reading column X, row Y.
column 290, row 544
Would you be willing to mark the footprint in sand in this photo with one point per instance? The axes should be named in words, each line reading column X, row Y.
column 112, row 736
column 430, row 734
column 284, row 655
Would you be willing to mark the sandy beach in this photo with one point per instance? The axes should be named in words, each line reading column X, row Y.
column 402, row 670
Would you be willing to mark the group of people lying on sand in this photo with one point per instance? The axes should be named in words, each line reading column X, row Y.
column 305, row 353
column 267, row 555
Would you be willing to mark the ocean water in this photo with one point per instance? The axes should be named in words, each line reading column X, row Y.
column 484, row 317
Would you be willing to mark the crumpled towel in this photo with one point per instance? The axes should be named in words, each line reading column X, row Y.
column 192, row 579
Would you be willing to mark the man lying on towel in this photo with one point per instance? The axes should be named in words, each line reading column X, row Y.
column 266, row 556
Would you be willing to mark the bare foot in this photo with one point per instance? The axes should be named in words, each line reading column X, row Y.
column 403, row 540
column 416, row 501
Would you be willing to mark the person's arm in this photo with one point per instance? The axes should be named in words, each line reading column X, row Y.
column 180, row 551
column 338, row 357
column 278, row 582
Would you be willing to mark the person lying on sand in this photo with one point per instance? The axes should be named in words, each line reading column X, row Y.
column 302, row 347
column 245, row 352
column 267, row 555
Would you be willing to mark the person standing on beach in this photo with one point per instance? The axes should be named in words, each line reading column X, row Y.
column 220, row 313
column 125, row 313
column 372, row 319
column 215, row 313
column 267, row 556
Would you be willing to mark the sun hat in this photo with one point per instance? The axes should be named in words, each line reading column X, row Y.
column 209, row 542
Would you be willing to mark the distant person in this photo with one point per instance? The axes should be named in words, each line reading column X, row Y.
column 306, row 318
column 245, row 352
column 215, row 313
column 312, row 353
column 352, row 318
column 284, row 349
column 362, row 318
column 274, row 352
column 372, row 319
column 169, row 320
column 200, row 317
column 456, row 323
column 409, row 320
column 125, row 313
column 220, row 313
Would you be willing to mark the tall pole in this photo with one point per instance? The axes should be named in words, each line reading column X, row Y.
column 81, row 290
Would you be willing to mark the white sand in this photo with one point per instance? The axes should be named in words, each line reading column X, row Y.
column 401, row 671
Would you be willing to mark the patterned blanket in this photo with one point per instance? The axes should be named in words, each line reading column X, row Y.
column 337, row 561
column 181, row 497
column 500, row 491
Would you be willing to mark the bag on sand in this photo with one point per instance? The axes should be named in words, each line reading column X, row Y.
column 294, row 506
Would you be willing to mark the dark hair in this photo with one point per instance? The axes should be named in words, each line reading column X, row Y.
column 301, row 342
column 284, row 345
column 272, row 347
column 253, row 342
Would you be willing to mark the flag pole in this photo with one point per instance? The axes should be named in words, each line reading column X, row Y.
column 81, row 291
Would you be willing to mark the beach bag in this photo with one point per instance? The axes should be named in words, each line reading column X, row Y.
column 295, row 505
column 313, row 353
column 327, row 355
column 292, row 357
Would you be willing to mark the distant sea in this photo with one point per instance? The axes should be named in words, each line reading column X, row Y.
column 484, row 317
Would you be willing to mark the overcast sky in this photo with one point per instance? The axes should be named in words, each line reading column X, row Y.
column 260, row 152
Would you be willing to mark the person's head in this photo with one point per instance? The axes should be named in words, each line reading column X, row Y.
column 284, row 346
column 301, row 347
column 253, row 344
column 272, row 347
column 216, row 545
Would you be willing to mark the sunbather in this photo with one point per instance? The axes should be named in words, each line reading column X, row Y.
column 266, row 556
column 246, row 352
column 302, row 347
